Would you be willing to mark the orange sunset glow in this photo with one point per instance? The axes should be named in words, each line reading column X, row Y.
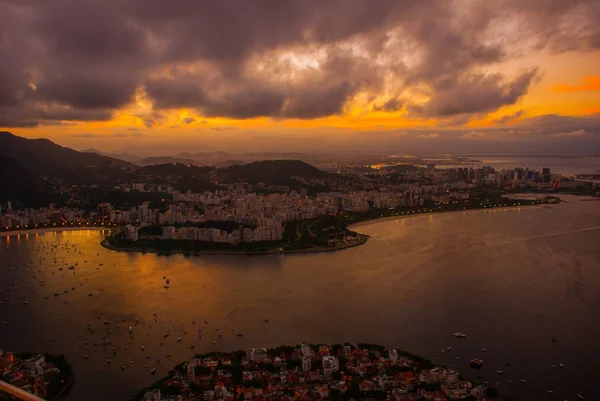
column 262, row 75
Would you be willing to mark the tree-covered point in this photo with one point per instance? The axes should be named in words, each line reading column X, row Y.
column 297, row 235
column 275, row 172
column 88, row 199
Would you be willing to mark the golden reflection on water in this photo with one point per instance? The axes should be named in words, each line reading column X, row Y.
column 411, row 285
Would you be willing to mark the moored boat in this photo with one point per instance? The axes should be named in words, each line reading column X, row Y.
column 476, row 363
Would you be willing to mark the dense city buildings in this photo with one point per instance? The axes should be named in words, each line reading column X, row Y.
column 314, row 372
column 261, row 212
column 46, row 376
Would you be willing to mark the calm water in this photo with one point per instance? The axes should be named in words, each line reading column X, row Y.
column 499, row 276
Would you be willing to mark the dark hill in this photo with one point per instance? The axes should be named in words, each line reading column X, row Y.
column 15, row 178
column 19, row 185
column 183, row 177
column 44, row 158
column 273, row 172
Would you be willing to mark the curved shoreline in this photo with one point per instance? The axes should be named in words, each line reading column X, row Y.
column 362, row 237
column 362, row 240
column 49, row 230
column 388, row 218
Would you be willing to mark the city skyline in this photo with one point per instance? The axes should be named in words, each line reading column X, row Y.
column 157, row 78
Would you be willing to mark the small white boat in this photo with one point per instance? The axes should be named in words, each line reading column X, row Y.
column 523, row 381
column 580, row 397
column 153, row 371
column 460, row 335
column 550, row 392
column 108, row 360
column 130, row 329
column 142, row 347
column 483, row 350
column 179, row 339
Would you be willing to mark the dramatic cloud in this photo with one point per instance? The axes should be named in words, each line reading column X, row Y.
column 474, row 94
column 509, row 117
column 83, row 60
column 392, row 104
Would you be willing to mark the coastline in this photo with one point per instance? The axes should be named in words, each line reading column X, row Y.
column 362, row 240
column 403, row 216
column 48, row 230
column 362, row 237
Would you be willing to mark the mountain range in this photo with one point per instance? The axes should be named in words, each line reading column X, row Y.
column 216, row 158
column 32, row 167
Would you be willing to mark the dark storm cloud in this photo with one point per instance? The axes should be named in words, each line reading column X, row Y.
column 475, row 93
column 90, row 57
column 391, row 105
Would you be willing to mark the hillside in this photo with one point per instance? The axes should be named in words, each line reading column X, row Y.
column 273, row 172
column 32, row 168
column 15, row 178
column 121, row 156
column 19, row 185
column 183, row 177
column 163, row 160
column 44, row 158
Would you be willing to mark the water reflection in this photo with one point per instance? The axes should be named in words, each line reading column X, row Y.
column 511, row 279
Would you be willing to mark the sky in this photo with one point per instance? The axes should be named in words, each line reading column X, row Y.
column 160, row 77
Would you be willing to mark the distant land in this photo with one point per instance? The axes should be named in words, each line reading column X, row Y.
column 39, row 169
column 216, row 158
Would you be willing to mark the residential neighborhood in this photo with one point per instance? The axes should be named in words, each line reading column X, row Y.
column 314, row 372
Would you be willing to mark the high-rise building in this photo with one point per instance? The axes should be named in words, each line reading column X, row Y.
column 144, row 212
column 104, row 209
column 546, row 174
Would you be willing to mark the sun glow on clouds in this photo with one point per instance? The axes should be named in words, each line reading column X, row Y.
column 437, row 65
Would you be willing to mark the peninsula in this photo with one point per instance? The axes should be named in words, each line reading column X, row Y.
column 321, row 234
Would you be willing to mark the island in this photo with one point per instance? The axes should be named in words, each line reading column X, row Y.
column 44, row 375
column 314, row 372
